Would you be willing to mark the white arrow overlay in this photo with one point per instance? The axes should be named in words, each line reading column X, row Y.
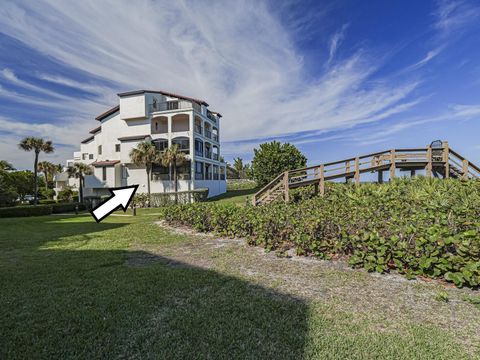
column 121, row 197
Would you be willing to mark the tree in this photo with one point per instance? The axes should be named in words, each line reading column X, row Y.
column 8, row 194
column 173, row 157
column 23, row 182
column 238, row 164
column 5, row 165
column 274, row 158
column 37, row 145
column 78, row 171
column 48, row 169
column 145, row 154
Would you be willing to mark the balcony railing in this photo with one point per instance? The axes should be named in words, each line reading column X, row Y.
column 211, row 116
column 170, row 105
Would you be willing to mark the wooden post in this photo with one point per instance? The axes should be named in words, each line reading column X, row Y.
column 380, row 176
column 446, row 159
column 392, row 164
column 465, row 165
column 357, row 171
column 322, row 180
column 428, row 169
column 347, row 170
column 285, row 185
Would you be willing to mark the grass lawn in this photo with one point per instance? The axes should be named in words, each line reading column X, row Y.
column 127, row 288
column 238, row 197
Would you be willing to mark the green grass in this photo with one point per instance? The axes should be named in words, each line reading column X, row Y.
column 238, row 197
column 72, row 288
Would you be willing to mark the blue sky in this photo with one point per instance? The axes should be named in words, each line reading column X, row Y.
column 335, row 78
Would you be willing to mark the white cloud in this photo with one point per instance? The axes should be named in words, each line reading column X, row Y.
column 237, row 56
column 454, row 15
column 335, row 42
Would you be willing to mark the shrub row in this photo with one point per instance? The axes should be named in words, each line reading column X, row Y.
column 168, row 198
column 419, row 227
column 30, row 210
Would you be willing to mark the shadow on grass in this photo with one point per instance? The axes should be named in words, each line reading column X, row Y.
column 94, row 303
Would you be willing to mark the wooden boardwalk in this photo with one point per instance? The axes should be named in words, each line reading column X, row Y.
column 436, row 160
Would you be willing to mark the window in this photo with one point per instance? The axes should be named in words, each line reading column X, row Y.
column 99, row 149
column 160, row 144
column 117, row 147
column 90, row 156
column 198, row 147
column 198, row 170
column 84, row 156
column 104, row 173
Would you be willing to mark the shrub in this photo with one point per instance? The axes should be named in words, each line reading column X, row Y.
column 419, row 227
column 67, row 194
column 23, row 211
column 164, row 199
column 274, row 158
column 66, row 207
column 47, row 202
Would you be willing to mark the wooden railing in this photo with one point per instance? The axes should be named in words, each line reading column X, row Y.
column 436, row 161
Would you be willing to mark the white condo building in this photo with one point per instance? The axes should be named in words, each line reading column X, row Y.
column 165, row 119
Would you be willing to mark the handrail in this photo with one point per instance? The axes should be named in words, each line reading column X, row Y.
column 353, row 167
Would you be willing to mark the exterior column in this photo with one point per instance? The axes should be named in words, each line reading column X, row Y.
column 192, row 149
column 169, row 125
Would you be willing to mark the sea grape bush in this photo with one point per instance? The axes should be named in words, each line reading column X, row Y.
column 419, row 227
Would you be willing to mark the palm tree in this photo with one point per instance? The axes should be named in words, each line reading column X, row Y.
column 173, row 157
column 5, row 165
column 48, row 169
column 37, row 145
column 78, row 171
column 145, row 154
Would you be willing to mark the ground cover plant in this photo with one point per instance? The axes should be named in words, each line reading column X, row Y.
column 420, row 227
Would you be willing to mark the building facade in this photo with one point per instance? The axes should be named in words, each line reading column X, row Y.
column 165, row 119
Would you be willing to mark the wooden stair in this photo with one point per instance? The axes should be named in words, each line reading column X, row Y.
column 437, row 160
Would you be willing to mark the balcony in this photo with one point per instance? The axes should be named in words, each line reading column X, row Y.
column 211, row 116
column 208, row 133
column 170, row 105
column 198, row 129
column 215, row 137
column 215, row 157
column 208, row 154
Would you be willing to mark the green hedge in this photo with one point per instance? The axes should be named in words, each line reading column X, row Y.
column 22, row 211
column 66, row 207
column 420, row 227
column 168, row 198
column 30, row 210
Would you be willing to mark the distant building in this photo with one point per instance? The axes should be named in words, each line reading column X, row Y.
column 165, row 119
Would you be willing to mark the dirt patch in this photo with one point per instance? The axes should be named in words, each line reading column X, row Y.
column 387, row 301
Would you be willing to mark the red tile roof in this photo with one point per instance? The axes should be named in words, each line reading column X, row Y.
column 84, row 141
column 137, row 92
column 105, row 163
column 108, row 113
column 94, row 131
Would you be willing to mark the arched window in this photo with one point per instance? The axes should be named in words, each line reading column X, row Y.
column 183, row 144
